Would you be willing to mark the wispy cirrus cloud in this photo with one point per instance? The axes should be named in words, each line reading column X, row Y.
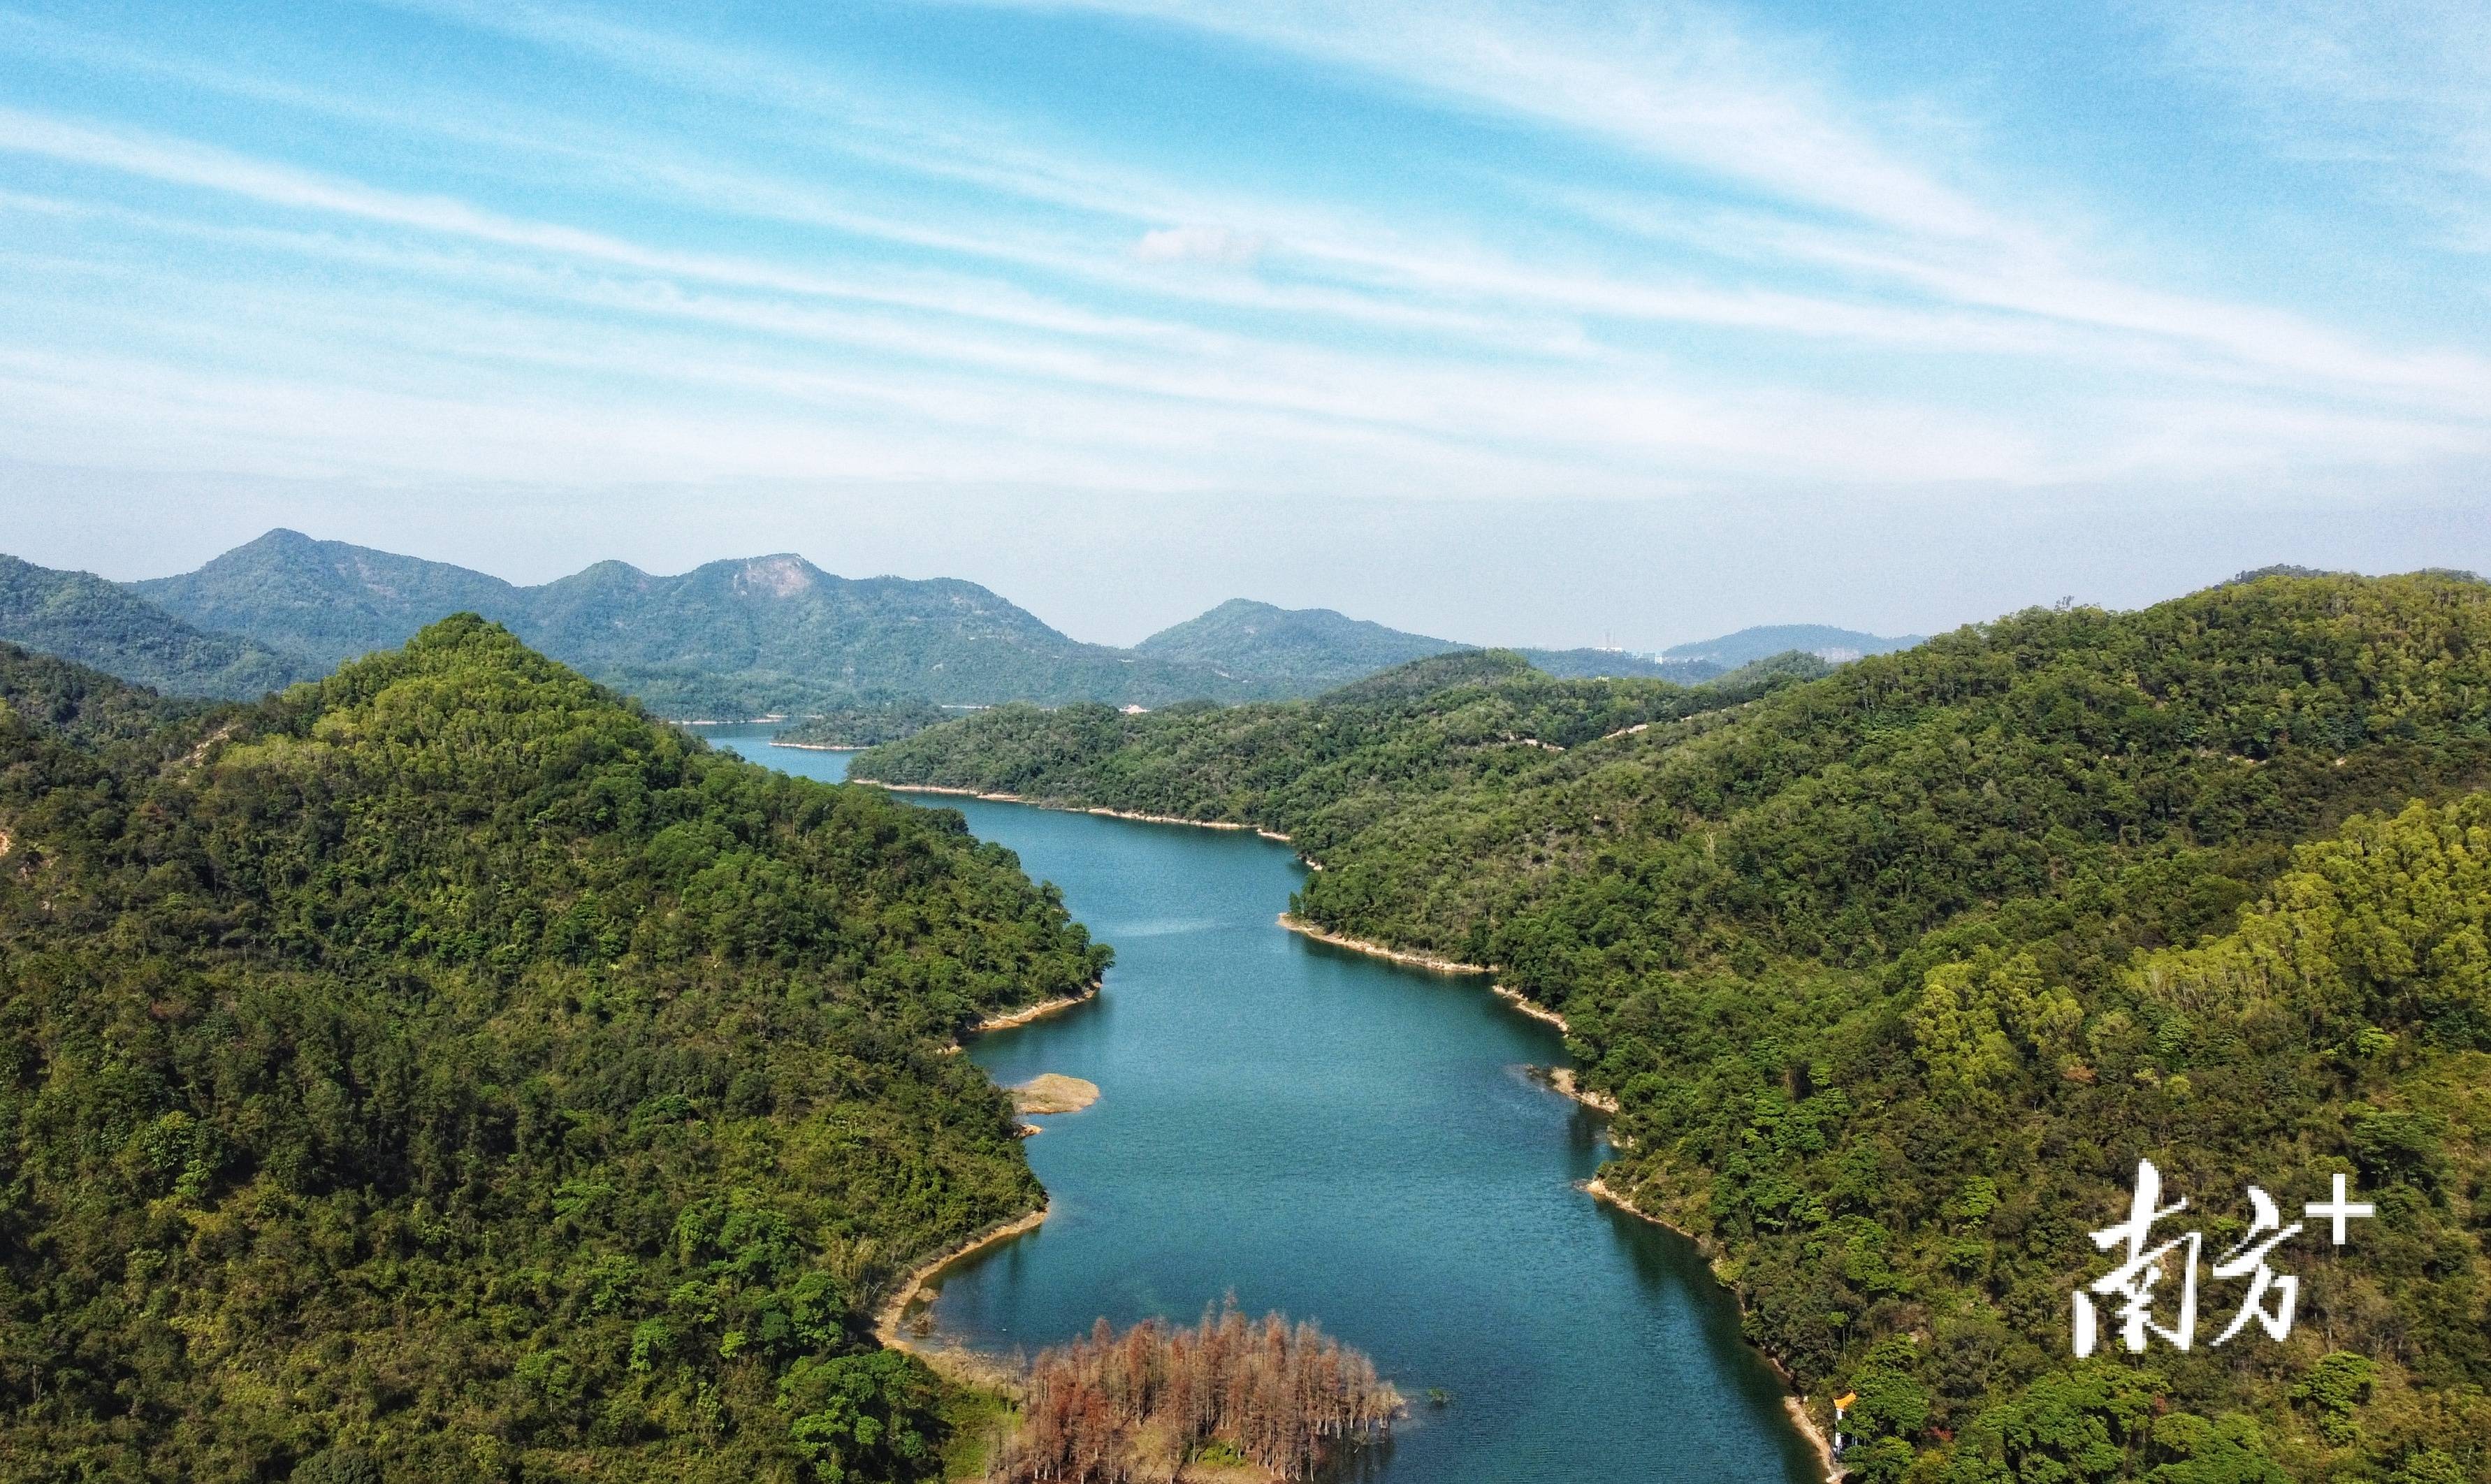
column 2397, row 95
column 1217, row 245
column 1720, row 265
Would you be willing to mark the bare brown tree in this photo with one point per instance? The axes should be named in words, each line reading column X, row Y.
column 1112, row 1409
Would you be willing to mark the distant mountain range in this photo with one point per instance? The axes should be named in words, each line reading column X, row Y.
column 1312, row 650
column 728, row 639
column 760, row 635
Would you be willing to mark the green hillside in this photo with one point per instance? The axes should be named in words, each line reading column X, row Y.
column 442, row 1071
column 86, row 707
column 1323, row 769
column 83, row 618
column 1898, row 973
column 871, row 720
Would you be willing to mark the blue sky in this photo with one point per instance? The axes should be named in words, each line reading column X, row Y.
column 1502, row 319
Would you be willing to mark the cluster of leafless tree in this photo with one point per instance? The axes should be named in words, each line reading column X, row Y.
column 1133, row 1406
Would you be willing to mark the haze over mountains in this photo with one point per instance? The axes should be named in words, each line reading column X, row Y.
column 1315, row 648
column 761, row 636
column 1827, row 643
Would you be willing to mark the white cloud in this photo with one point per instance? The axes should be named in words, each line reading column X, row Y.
column 1020, row 315
column 1200, row 244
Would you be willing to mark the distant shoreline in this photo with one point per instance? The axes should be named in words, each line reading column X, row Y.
column 819, row 746
column 1061, row 808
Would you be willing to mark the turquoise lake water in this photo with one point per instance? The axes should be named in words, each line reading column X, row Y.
column 1345, row 1139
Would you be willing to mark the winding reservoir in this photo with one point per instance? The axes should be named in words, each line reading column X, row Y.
column 1346, row 1139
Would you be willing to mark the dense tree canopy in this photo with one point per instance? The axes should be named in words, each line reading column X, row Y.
column 1898, row 973
column 442, row 1071
column 868, row 720
column 1322, row 769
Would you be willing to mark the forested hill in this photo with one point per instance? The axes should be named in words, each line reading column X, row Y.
column 1321, row 769
column 442, row 1071
column 79, row 617
column 330, row 601
column 1314, row 648
column 1898, row 973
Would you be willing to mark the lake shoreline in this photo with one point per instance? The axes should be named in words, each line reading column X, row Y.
column 1521, row 1002
column 1537, row 1012
column 1055, row 805
column 1793, row 1403
column 908, row 1311
column 890, row 1319
column 1038, row 1011
column 818, row 746
column 1564, row 1080
column 1427, row 961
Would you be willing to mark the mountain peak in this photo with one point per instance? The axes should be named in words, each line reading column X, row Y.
column 781, row 574
column 1311, row 646
column 1822, row 640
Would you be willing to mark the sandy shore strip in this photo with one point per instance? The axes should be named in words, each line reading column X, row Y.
column 1038, row 1011
column 962, row 1366
column 1430, row 962
column 1178, row 819
column 1562, row 1078
column 934, row 787
column 1537, row 1012
column 888, row 1321
column 818, row 746
column 1426, row 961
column 1795, row 1404
column 1053, row 1092
column 1797, row 1407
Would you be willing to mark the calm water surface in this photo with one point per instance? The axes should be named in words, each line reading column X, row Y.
column 1339, row 1138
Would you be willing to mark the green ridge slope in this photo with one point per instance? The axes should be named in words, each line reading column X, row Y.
column 82, row 618
column 442, row 1071
column 1321, row 769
